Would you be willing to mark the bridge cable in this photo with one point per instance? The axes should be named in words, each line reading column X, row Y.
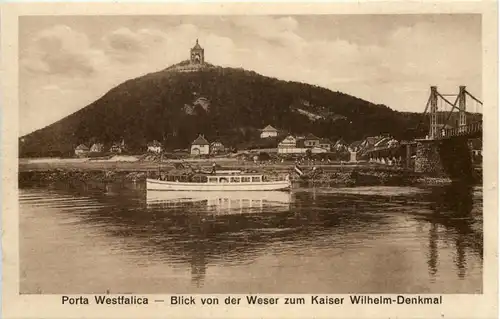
column 473, row 97
column 451, row 111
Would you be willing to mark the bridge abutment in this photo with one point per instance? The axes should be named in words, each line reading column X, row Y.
column 456, row 158
column 428, row 159
column 450, row 157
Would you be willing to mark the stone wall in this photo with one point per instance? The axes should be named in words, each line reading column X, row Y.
column 428, row 159
column 456, row 158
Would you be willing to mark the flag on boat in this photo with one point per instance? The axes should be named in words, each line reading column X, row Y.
column 298, row 170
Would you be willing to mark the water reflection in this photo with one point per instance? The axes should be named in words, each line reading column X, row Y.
column 452, row 208
column 199, row 230
column 229, row 202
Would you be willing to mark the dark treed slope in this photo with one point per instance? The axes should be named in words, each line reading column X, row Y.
column 224, row 103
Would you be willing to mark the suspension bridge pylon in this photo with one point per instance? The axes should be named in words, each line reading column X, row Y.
column 442, row 122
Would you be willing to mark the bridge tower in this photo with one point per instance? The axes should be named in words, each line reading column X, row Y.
column 433, row 130
column 461, row 109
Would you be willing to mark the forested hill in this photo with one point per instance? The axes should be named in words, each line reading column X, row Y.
column 222, row 103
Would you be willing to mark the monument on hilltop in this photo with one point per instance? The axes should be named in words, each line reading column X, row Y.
column 197, row 54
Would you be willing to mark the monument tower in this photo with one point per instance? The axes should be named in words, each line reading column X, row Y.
column 197, row 54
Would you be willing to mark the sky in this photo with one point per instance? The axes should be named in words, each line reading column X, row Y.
column 67, row 62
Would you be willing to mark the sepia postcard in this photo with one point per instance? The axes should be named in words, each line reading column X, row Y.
column 250, row 160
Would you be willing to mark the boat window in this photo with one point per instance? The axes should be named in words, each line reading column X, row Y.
column 223, row 180
column 245, row 179
column 256, row 179
column 203, row 179
column 235, row 179
column 213, row 180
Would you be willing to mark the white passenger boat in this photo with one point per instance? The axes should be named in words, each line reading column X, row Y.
column 218, row 181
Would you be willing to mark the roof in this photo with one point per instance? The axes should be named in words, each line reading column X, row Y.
column 324, row 141
column 383, row 142
column 197, row 46
column 200, row 140
column 356, row 144
column 82, row 147
column 372, row 140
column 289, row 138
column 311, row 136
column 269, row 128
column 340, row 142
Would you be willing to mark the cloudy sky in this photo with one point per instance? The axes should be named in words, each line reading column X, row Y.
column 68, row 62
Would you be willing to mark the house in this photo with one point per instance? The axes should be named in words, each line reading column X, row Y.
column 117, row 147
column 217, row 147
column 289, row 145
column 200, row 146
column 386, row 142
column 340, row 146
column 155, row 147
column 370, row 142
column 268, row 131
column 97, row 148
column 325, row 144
column 81, row 150
column 288, row 142
column 311, row 141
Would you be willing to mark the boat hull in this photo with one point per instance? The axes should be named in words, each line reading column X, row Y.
column 157, row 185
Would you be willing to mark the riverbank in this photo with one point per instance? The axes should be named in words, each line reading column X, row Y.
column 334, row 176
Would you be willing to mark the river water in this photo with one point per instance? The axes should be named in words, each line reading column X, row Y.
column 117, row 238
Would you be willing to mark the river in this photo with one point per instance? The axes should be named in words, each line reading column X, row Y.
column 94, row 238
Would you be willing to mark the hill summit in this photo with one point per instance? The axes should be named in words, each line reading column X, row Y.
column 228, row 104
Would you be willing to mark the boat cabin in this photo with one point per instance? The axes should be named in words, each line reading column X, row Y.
column 214, row 179
column 235, row 179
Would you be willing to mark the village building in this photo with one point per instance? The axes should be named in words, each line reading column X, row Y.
column 97, row 148
column 340, row 146
column 217, row 147
column 200, row 146
column 289, row 142
column 268, row 131
column 117, row 147
column 325, row 144
column 311, row 141
column 155, row 147
column 288, row 145
column 81, row 150
column 370, row 142
column 385, row 142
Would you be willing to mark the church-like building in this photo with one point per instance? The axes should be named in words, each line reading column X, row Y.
column 195, row 63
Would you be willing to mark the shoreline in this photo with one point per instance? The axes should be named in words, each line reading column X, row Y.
column 330, row 176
